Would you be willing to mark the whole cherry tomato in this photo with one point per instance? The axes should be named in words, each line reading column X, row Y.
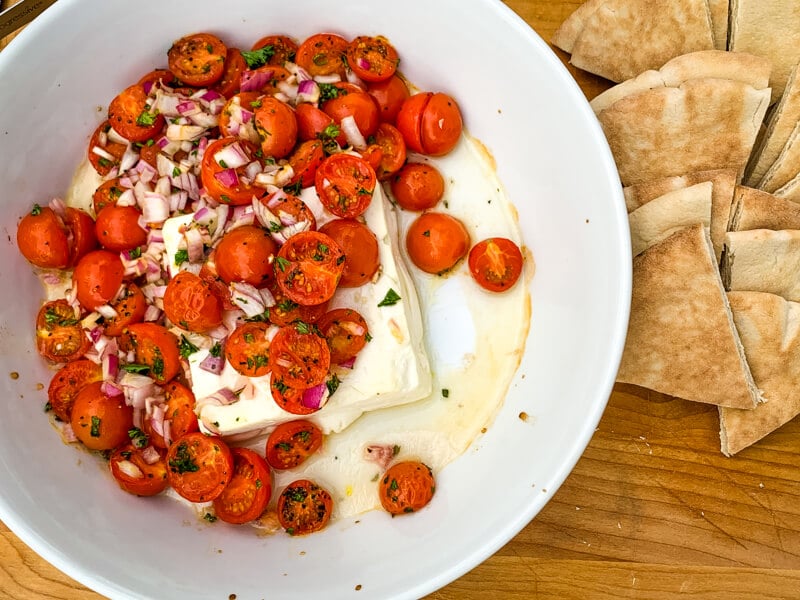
column 100, row 422
column 436, row 242
column 418, row 186
column 430, row 123
column 350, row 100
column 117, row 228
column 98, row 277
column 246, row 254
column 389, row 95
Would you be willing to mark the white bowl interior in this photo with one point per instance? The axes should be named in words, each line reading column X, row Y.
column 58, row 76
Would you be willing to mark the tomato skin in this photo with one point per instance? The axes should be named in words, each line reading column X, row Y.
column 291, row 443
column 355, row 102
column 199, row 466
column 81, row 224
column 249, row 491
column 323, row 54
column 42, row 239
column 311, row 123
column 130, row 308
column 106, row 194
column 389, row 95
column 286, row 312
column 97, row 277
column 436, row 242
column 284, row 48
column 126, row 112
column 372, row 58
column 246, row 254
column 209, row 274
column 360, row 247
column 346, row 333
column 235, row 65
column 100, row 422
column 441, row 125
column 495, row 263
column 406, row 487
column 68, row 382
column 178, row 410
column 165, row 76
column 190, row 304
column 117, row 228
column 305, row 161
column 154, row 476
column 101, row 164
column 393, row 146
column 309, row 267
column 276, row 124
column 304, row 507
column 156, row 347
column 299, row 360
column 59, row 335
column 418, row 186
column 210, row 173
column 345, row 184
column 409, row 120
column 198, row 59
column 289, row 398
column 248, row 349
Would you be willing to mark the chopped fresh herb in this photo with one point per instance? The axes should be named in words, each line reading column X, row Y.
column 135, row 368
column 258, row 484
column 257, row 104
column 340, row 260
column 216, row 350
column 187, row 348
column 286, row 447
column 95, row 430
column 181, row 256
column 368, row 336
column 445, row 393
column 328, row 91
column 363, row 191
column 333, row 384
column 293, row 188
column 36, row 210
column 280, row 386
column 262, row 318
column 209, row 517
column 222, row 164
column 225, row 198
column 48, row 407
column 393, row 486
column 135, row 253
column 287, row 305
column 258, row 58
column 138, row 437
column 290, row 531
column 176, row 171
column 395, row 450
column 331, row 132
column 320, row 59
column 150, row 142
column 282, row 263
column 376, row 477
column 104, row 162
column 209, row 48
column 146, row 119
column 52, row 317
column 275, row 226
column 302, row 327
column 296, row 494
column 322, row 247
column 183, row 461
column 158, row 366
column 371, row 139
column 390, row 299
column 249, row 338
column 427, row 233
column 304, row 435
column 126, row 454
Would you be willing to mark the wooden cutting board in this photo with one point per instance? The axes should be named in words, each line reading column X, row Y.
column 652, row 509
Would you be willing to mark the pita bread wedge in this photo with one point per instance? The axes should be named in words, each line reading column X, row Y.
column 762, row 260
column 754, row 209
column 719, row 22
column 704, row 64
column 566, row 35
column 724, row 182
column 702, row 125
column 786, row 166
column 768, row 28
column 663, row 216
column 790, row 191
column 681, row 338
column 623, row 38
column 778, row 128
column 769, row 327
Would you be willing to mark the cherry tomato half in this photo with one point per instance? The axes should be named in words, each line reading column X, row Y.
column 304, row 507
column 106, row 194
column 308, row 267
column 288, row 398
column 360, row 247
column 283, row 48
column 436, row 242
column 346, row 333
column 248, row 349
column 198, row 59
column 97, row 278
column 418, row 186
column 406, row 487
column 495, row 263
column 223, row 182
column 199, row 467
column 130, row 116
column 286, row 312
column 42, row 239
column 100, row 158
column 60, row 337
column 134, row 474
column 305, row 161
column 235, row 65
column 372, row 58
column 67, row 382
column 130, row 308
column 83, row 236
column 100, row 422
column 155, row 347
column 246, row 254
column 393, row 151
column 189, row 303
column 249, row 491
column 300, row 358
column 345, row 184
column 389, row 95
column 322, row 54
column 178, row 413
column 291, row 443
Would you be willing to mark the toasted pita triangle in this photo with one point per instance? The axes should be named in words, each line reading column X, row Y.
column 769, row 328
column 754, row 209
column 724, row 181
column 566, row 35
column 623, row 38
column 702, row 125
column 681, row 338
column 786, row 166
column 719, row 22
column 779, row 126
column 762, row 260
column 768, row 28
column 663, row 216
column 790, row 191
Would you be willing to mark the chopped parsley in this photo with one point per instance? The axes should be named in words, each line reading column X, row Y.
column 183, row 461
column 138, row 437
column 216, row 350
column 158, row 366
column 48, row 407
column 95, row 430
column 282, row 263
column 368, row 336
column 331, row 132
column 302, row 327
column 176, row 171
column 136, row 368
column 393, row 486
column 210, row 518
column 293, row 188
column 104, row 162
column 280, row 386
column 285, row 446
column 287, row 305
column 295, row 494
column 222, row 164
column 36, row 210
column 390, row 299
column 332, row 384
column 275, row 226
column 304, row 436
column 320, row 59
column 52, row 317
column 445, row 393
column 258, row 58
column 328, row 91
column 181, row 256
column 258, row 484
column 257, row 104
column 249, row 338
column 187, row 348
column 146, row 119
column 395, row 450
column 136, row 252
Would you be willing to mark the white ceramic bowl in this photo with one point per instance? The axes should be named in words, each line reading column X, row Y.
column 552, row 157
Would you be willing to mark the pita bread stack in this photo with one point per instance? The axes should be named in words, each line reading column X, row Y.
column 618, row 39
column 695, row 116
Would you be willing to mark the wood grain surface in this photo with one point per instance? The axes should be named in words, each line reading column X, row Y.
column 652, row 510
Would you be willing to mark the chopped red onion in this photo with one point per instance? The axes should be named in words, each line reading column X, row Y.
column 103, row 154
column 381, row 454
column 231, row 156
column 209, row 95
column 353, row 133
column 178, row 200
column 111, row 367
column 266, row 297
column 204, row 120
column 68, row 433
column 213, row 364
column 232, row 318
column 194, row 244
column 107, row 311
column 333, row 78
column 110, row 389
column 129, row 159
column 137, row 417
column 155, row 208
column 137, row 388
column 58, row 206
column 187, row 107
column 247, row 297
column 50, row 278
column 315, row 397
column 349, row 363
column 176, row 132
column 115, row 137
column 153, row 313
column 150, row 455
column 308, row 91
column 255, row 80
column 227, row 177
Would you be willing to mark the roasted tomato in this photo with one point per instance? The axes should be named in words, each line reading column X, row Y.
column 130, row 308
column 389, row 95
column 323, row 54
column 345, row 184
column 282, row 48
column 135, row 474
column 222, row 171
column 349, row 100
column 104, row 154
column 406, row 487
column 59, row 335
column 42, row 239
column 372, row 58
column 360, row 247
column 198, row 59
column 132, row 117
column 117, row 228
column 300, row 358
column 189, row 303
column 156, row 348
column 495, row 263
column 291, row 443
column 249, row 491
column 304, row 507
column 67, row 382
column 179, row 418
column 248, row 349
column 199, row 467
column 276, row 124
column 309, row 266
column 418, row 186
column 346, row 332
column 436, row 242
column 246, row 254
column 430, row 123
column 100, row 421
column 98, row 277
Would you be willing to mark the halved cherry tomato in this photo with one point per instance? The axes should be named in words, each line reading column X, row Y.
column 198, row 59
column 305, row 161
column 164, row 76
column 436, row 242
column 373, row 154
column 231, row 119
column 134, row 474
column 286, row 312
column 189, row 303
column 360, row 247
column 277, row 126
column 372, row 58
column 107, row 194
column 130, row 116
column 288, row 398
column 391, row 142
column 117, row 228
column 291, row 443
column 304, row 507
column 42, row 239
column 97, row 278
column 199, row 466
column 309, row 266
column 156, row 347
column 289, row 208
column 323, row 54
column 104, row 164
column 222, row 181
column 300, row 358
column 346, row 332
column 283, row 48
column 68, row 381
column 406, row 487
column 178, row 415
column 149, row 153
column 430, row 123
column 235, row 65
column 249, row 491
column 345, row 184
column 418, row 186
column 217, row 286
column 81, row 225
column 495, row 263
column 245, row 254
column 130, row 309
column 313, row 124
column 101, row 422
column 248, row 349
column 351, row 100
column 59, row 335
column 389, row 95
